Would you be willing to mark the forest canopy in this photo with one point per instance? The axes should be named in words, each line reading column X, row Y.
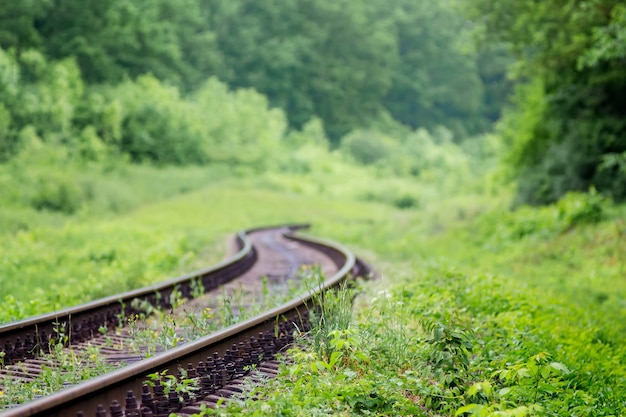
column 131, row 76
column 349, row 63
column 568, row 130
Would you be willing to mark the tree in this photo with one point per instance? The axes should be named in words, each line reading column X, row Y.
column 17, row 23
column 436, row 82
column 326, row 58
column 115, row 39
column 349, row 61
column 573, row 51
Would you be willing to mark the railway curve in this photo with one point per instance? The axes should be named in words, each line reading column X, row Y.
column 216, row 361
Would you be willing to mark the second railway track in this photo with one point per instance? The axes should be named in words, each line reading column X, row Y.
column 265, row 255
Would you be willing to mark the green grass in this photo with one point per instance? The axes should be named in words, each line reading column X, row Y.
column 473, row 317
column 55, row 265
column 60, row 369
column 479, row 310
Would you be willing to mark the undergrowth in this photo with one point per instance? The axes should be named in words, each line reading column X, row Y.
column 147, row 334
column 61, row 368
column 442, row 337
column 483, row 310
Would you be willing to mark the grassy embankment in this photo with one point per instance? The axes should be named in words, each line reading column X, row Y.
column 497, row 313
column 478, row 307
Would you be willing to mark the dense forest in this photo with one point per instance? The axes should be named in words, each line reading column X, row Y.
column 568, row 129
column 352, row 64
column 71, row 72
column 344, row 62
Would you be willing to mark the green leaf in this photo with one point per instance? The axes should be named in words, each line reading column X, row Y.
column 548, row 388
column 474, row 389
column 559, row 367
column 487, row 388
column 349, row 373
column 334, row 357
column 437, row 333
column 470, row 408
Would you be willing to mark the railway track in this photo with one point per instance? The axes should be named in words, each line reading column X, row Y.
column 214, row 364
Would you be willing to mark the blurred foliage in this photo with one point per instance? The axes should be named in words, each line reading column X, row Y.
column 329, row 59
column 115, row 39
column 367, row 147
column 145, row 119
column 570, row 113
column 348, row 63
column 440, row 78
column 50, row 117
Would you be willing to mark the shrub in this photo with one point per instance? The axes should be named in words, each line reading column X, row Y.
column 56, row 191
column 406, row 202
column 366, row 147
column 582, row 208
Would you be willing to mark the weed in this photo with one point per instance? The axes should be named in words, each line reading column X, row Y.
column 176, row 298
column 183, row 385
column 330, row 317
column 227, row 312
column 201, row 324
column 167, row 335
column 523, row 388
column 61, row 368
column 450, row 349
column 197, row 288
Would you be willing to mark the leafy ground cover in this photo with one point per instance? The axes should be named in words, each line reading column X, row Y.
column 478, row 320
column 72, row 259
column 479, row 311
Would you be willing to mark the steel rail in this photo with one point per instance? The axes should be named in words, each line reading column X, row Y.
column 25, row 338
column 117, row 386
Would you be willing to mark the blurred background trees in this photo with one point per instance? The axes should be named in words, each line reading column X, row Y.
column 159, row 81
column 345, row 62
column 568, row 129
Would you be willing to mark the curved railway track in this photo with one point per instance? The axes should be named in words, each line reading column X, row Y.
column 215, row 362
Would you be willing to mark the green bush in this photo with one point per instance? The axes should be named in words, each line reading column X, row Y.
column 156, row 124
column 582, row 208
column 152, row 122
column 406, row 202
column 526, row 222
column 561, row 142
column 40, row 97
column 56, row 191
column 366, row 147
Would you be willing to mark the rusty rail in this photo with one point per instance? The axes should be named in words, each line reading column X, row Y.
column 26, row 338
column 214, row 360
